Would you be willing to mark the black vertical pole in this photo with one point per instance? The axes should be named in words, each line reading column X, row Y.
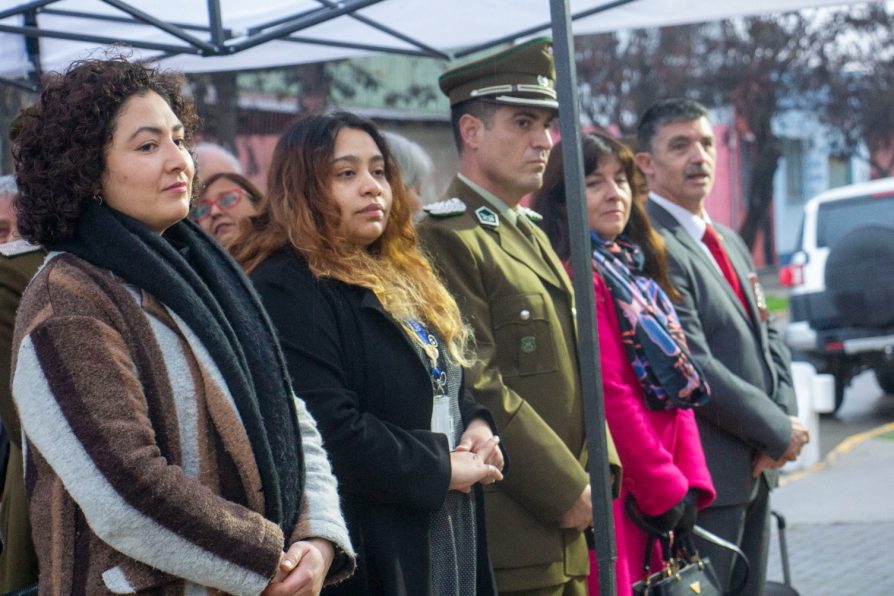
column 582, row 271
column 215, row 24
column 32, row 48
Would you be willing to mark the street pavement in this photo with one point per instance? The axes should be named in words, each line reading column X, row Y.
column 840, row 518
column 840, row 513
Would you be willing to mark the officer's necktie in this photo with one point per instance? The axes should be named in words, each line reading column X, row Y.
column 522, row 224
column 526, row 227
column 714, row 243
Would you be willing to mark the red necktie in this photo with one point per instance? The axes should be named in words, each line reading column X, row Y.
column 714, row 243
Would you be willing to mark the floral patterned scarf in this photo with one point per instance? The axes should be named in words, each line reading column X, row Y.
column 650, row 329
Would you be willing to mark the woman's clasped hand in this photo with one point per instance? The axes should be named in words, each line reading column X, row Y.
column 477, row 458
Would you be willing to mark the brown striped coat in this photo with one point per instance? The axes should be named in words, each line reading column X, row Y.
column 139, row 472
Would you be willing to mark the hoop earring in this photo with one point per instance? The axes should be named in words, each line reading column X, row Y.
column 98, row 198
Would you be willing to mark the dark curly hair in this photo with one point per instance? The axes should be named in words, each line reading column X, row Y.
column 59, row 144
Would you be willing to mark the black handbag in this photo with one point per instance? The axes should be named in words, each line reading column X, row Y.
column 686, row 574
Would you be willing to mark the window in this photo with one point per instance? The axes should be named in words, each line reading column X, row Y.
column 836, row 218
column 839, row 171
column 793, row 150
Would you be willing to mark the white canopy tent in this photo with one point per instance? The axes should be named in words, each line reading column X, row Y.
column 221, row 35
column 208, row 35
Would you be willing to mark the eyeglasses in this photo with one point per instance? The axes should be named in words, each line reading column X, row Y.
column 225, row 200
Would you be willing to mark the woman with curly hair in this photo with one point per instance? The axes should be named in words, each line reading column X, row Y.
column 165, row 449
column 649, row 379
column 375, row 345
column 227, row 199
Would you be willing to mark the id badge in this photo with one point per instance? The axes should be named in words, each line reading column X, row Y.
column 442, row 419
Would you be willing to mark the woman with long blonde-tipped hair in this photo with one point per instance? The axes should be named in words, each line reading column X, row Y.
column 375, row 345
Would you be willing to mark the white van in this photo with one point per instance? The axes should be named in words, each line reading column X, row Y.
column 842, row 284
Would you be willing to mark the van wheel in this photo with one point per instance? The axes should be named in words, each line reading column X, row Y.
column 841, row 383
column 885, row 378
column 843, row 370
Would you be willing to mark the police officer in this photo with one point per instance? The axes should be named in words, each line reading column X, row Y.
column 515, row 293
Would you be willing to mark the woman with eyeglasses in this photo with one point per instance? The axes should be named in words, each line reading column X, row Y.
column 227, row 199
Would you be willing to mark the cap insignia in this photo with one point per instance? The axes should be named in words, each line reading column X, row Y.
column 487, row 217
column 446, row 208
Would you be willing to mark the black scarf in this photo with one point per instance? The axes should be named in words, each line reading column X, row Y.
column 195, row 278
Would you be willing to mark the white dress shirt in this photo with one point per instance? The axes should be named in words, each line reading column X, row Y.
column 695, row 225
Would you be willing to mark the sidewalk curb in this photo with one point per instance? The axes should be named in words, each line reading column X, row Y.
column 844, row 447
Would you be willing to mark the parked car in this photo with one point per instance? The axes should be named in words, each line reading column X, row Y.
column 842, row 284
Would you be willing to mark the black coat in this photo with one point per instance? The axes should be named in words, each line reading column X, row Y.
column 371, row 395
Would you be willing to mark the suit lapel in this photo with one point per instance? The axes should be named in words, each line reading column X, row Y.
column 661, row 217
column 669, row 222
column 552, row 259
column 511, row 239
column 740, row 266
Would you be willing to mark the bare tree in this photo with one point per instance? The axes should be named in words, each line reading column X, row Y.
column 854, row 84
column 621, row 74
column 216, row 96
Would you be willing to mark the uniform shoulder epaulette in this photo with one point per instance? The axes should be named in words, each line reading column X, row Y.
column 531, row 214
column 447, row 208
column 17, row 247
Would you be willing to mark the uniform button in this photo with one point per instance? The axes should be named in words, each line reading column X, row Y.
column 525, row 315
column 573, row 312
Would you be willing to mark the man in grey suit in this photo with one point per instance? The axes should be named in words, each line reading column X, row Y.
column 748, row 429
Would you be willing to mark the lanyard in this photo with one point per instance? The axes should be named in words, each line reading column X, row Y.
column 430, row 345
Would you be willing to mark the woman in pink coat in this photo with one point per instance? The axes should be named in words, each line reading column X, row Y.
column 650, row 382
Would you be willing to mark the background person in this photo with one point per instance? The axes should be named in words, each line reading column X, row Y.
column 374, row 344
column 749, row 428
column 159, row 422
column 512, row 288
column 212, row 159
column 649, row 381
column 8, row 191
column 19, row 261
column 225, row 201
column 415, row 167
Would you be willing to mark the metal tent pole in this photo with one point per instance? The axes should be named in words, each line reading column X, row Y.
column 582, row 270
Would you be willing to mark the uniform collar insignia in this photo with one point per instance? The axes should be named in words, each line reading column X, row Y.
column 530, row 214
column 487, row 217
column 446, row 208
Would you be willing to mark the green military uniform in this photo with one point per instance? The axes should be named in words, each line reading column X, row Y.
column 516, row 295
column 19, row 261
column 514, row 292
